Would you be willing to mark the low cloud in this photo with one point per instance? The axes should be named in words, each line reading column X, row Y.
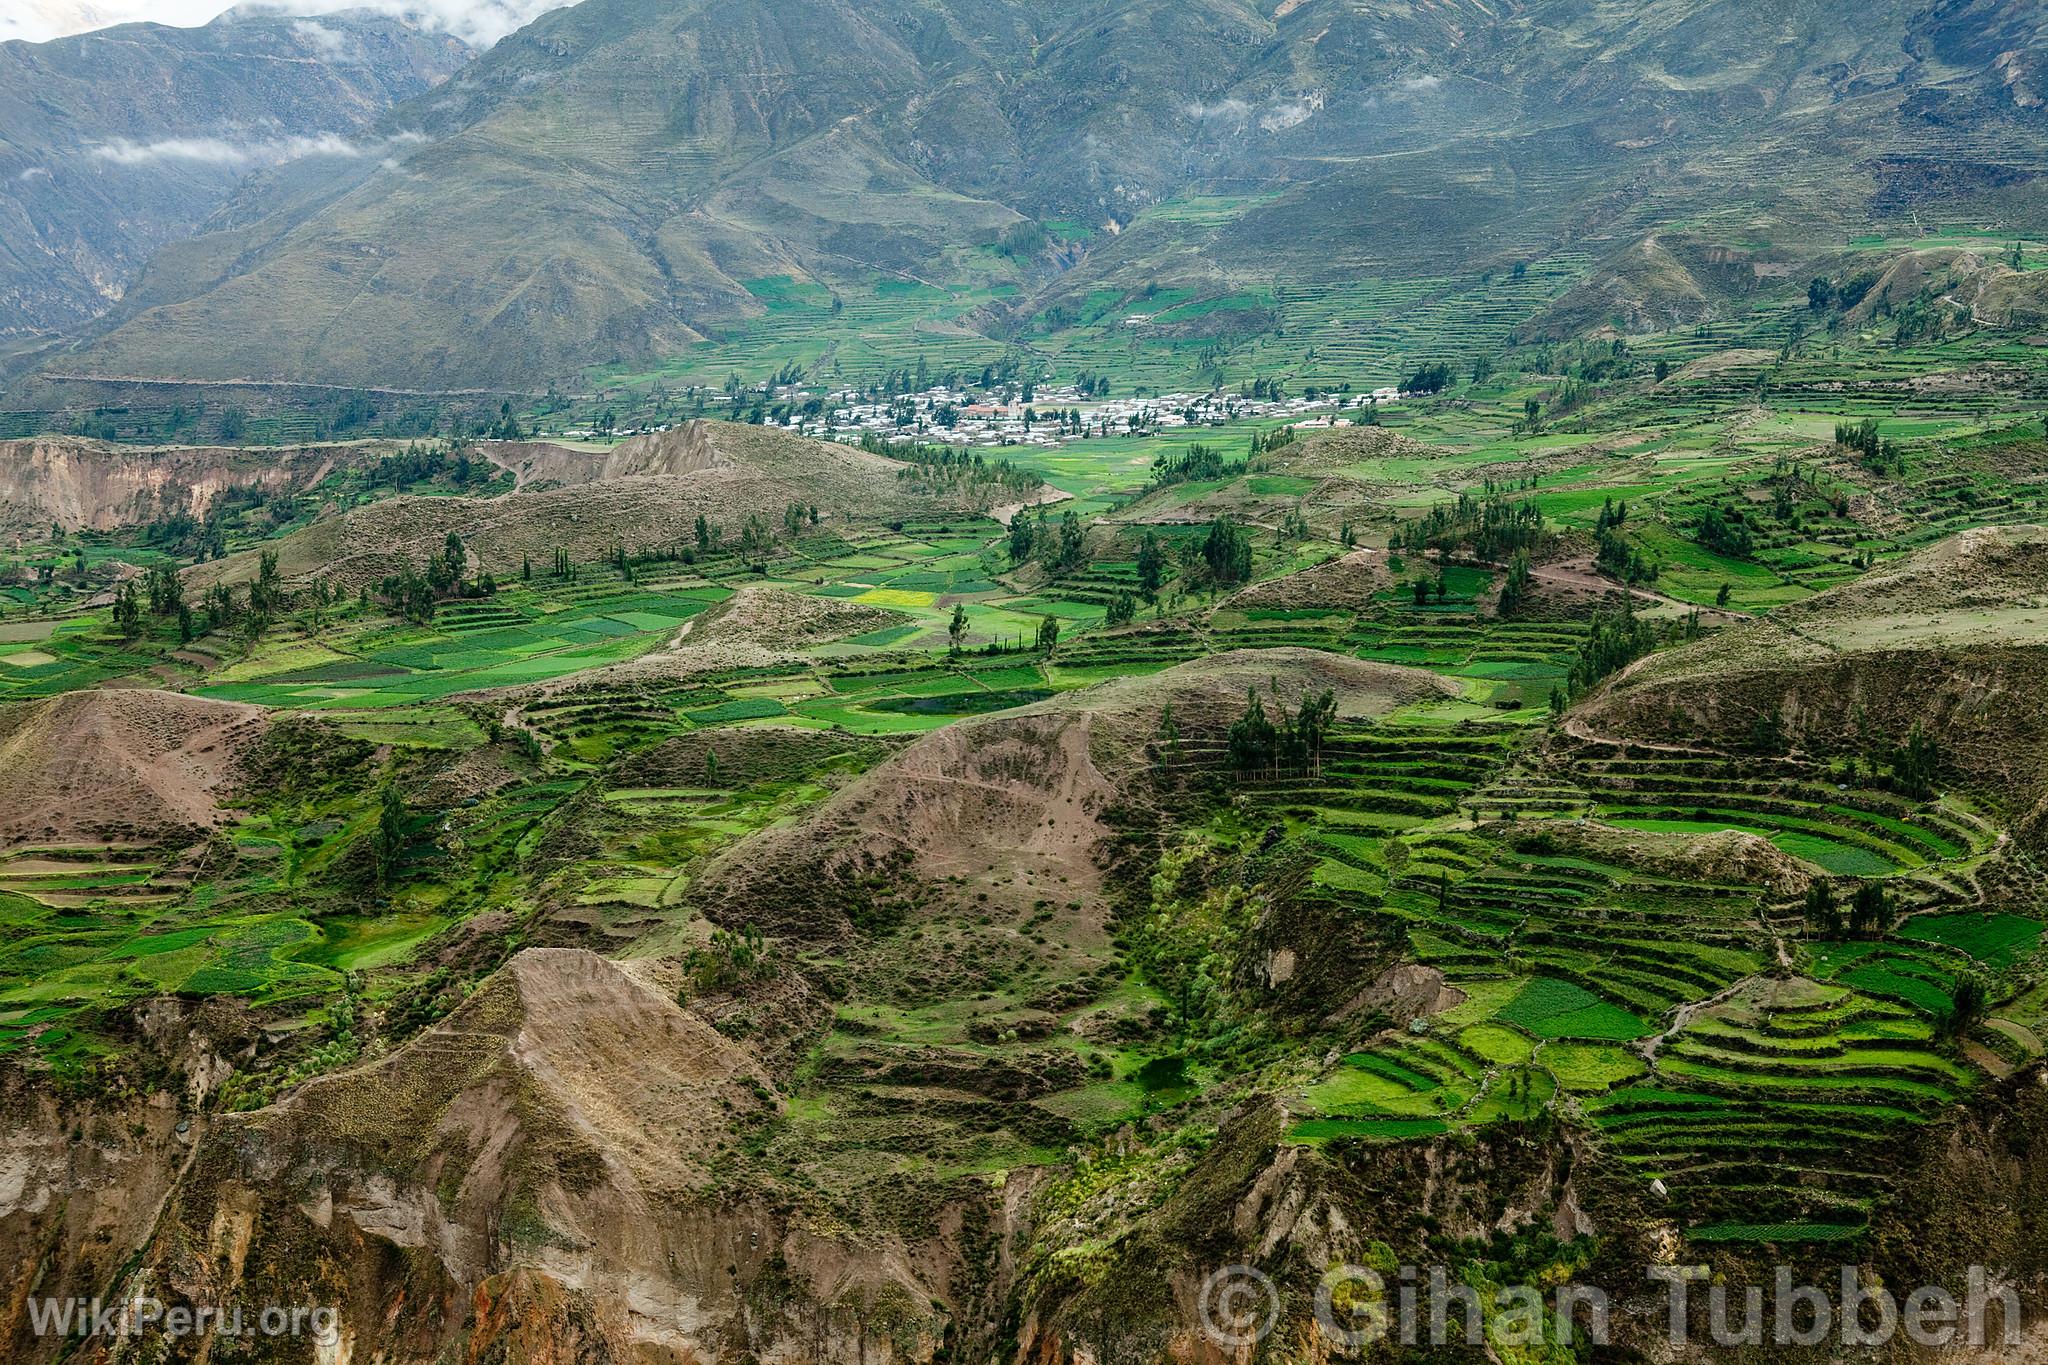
column 1291, row 114
column 325, row 42
column 1401, row 92
column 221, row 151
column 1276, row 117
column 477, row 22
column 33, row 173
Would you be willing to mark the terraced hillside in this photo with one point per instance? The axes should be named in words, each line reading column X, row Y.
column 1538, row 850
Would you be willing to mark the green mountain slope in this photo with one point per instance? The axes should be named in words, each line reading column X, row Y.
column 618, row 180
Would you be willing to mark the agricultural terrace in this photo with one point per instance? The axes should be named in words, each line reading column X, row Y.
column 1738, row 974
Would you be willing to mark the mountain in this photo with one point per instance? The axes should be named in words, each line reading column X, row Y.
column 116, row 142
column 629, row 172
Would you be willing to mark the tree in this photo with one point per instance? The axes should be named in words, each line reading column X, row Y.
column 956, row 631
column 265, row 595
column 1151, row 567
column 1516, row 590
column 1227, row 552
column 1870, row 911
column 1252, row 737
column 390, row 836
column 1302, row 735
column 1048, row 635
column 1429, row 379
column 1968, row 1005
column 1023, row 537
column 1616, row 640
column 1121, row 609
column 1073, row 551
column 1824, row 909
column 128, row 612
column 166, row 593
column 1916, row 763
column 1725, row 535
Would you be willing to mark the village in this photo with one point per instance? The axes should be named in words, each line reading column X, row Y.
column 995, row 412
column 1050, row 417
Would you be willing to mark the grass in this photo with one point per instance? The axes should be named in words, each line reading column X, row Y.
column 1549, row 1008
column 1996, row 940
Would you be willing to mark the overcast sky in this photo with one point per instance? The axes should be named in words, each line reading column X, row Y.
column 478, row 21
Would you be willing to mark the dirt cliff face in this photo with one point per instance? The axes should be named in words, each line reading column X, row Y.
column 85, row 1174
column 547, row 1175
column 552, row 1175
column 88, row 486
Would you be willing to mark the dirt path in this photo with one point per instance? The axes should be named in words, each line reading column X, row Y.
column 1684, row 1017
column 1046, row 498
column 1581, row 576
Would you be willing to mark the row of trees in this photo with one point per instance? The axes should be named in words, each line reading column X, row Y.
column 1877, row 453
column 1614, row 553
column 937, row 468
column 1870, row 912
column 1492, row 524
column 1262, row 744
column 1617, row 639
column 416, row 593
column 1193, row 464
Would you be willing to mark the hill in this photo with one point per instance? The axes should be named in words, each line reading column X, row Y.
column 646, row 494
column 1038, row 165
column 115, row 143
column 1948, row 642
column 1016, row 807
column 135, row 765
column 566, row 1104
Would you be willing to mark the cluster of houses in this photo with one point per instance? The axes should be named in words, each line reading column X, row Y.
column 1054, row 416
column 1051, row 416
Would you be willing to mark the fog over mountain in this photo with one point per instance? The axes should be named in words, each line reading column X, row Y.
column 478, row 22
column 116, row 142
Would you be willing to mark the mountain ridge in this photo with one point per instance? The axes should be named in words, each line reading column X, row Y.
column 628, row 169
column 117, row 142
